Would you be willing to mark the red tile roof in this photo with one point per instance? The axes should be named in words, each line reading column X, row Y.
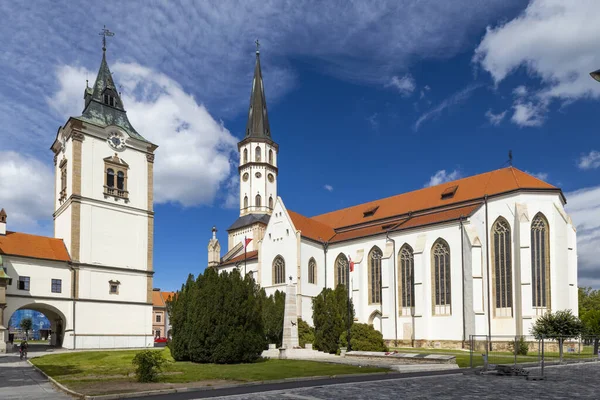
column 251, row 255
column 474, row 187
column 26, row 245
column 418, row 208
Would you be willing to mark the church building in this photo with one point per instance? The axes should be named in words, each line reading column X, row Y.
column 482, row 255
column 93, row 279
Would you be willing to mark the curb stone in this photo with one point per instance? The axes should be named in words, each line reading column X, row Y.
column 55, row 383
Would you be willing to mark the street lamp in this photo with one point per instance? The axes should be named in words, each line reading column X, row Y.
column 596, row 75
column 348, row 299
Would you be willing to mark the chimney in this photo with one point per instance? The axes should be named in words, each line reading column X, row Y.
column 2, row 222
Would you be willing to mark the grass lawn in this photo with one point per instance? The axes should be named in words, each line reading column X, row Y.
column 89, row 372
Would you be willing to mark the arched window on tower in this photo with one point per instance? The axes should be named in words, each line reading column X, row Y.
column 312, row 271
column 440, row 270
column 406, row 268
column 271, row 202
column 257, row 201
column 278, row 270
column 270, row 156
column 257, row 154
column 540, row 264
column 340, row 271
column 502, row 267
column 110, row 178
column 375, row 275
column 245, row 156
column 245, row 201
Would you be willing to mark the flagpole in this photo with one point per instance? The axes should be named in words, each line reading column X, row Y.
column 348, row 299
column 245, row 245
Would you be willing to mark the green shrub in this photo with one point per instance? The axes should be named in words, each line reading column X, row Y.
column 330, row 316
column 363, row 337
column 218, row 319
column 306, row 333
column 272, row 315
column 148, row 364
column 522, row 346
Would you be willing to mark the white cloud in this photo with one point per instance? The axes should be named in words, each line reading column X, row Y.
column 329, row 188
column 405, row 85
column 495, row 119
column 589, row 161
column 26, row 191
column 520, row 91
column 555, row 41
column 374, row 121
column 442, row 176
column 424, row 91
column 584, row 208
column 540, row 175
column 528, row 114
column 193, row 146
column 454, row 99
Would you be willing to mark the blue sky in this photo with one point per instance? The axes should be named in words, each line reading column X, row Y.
column 366, row 100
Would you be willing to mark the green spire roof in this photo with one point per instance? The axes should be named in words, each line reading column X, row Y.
column 104, row 106
column 258, row 119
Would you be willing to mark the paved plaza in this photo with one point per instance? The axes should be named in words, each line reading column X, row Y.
column 567, row 382
column 19, row 380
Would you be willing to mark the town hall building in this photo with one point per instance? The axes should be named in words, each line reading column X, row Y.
column 482, row 255
column 93, row 279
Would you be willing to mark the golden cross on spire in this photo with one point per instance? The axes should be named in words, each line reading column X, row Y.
column 105, row 32
column 257, row 45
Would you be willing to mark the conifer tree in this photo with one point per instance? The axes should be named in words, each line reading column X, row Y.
column 330, row 317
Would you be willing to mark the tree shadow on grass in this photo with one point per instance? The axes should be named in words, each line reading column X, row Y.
column 57, row 371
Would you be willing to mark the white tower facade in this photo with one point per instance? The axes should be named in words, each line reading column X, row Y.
column 104, row 214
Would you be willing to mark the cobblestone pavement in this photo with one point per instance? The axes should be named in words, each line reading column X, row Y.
column 19, row 380
column 565, row 382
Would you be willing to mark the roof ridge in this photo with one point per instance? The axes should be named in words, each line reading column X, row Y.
column 512, row 171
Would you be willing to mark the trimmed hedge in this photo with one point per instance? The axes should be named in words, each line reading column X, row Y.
column 364, row 337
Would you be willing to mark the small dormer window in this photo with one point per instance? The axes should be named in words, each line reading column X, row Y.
column 370, row 211
column 109, row 100
column 449, row 192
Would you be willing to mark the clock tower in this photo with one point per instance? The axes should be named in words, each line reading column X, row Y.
column 258, row 169
column 104, row 210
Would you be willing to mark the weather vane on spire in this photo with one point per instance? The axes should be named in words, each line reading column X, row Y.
column 257, row 46
column 105, row 32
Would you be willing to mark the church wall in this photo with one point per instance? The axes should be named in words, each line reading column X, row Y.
column 280, row 239
column 310, row 250
column 562, row 296
column 62, row 227
column 94, row 150
column 113, row 236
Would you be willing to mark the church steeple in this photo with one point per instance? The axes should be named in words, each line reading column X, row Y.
column 258, row 119
column 103, row 104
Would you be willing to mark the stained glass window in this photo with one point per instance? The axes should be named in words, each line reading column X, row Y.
column 406, row 266
column 312, row 270
column 502, row 259
column 375, row 275
column 278, row 270
column 440, row 254
column 341, row 270
column 540, row 262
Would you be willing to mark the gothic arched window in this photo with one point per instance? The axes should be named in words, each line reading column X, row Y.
column 278, row 270
column 110, row 178
column 406, row 268
column 257, row 154
column 340, row 271
column 257, row 200
column 120, row 180
column 312, row 271
column 502, row 267
column 245, row 201
column 540, row 262
column 440, row 265
column 270, row 156
column 375, row 275
column 270, row 202
column 245, row 156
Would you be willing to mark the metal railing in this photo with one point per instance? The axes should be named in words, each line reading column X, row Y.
column 527, row 355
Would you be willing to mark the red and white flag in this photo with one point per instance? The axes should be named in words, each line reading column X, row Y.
column 351, row 264
column 246, row 241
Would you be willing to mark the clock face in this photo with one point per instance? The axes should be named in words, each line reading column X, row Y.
column 245, row 177
column 116, row 141
column 258, row 174
column 271, row 177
